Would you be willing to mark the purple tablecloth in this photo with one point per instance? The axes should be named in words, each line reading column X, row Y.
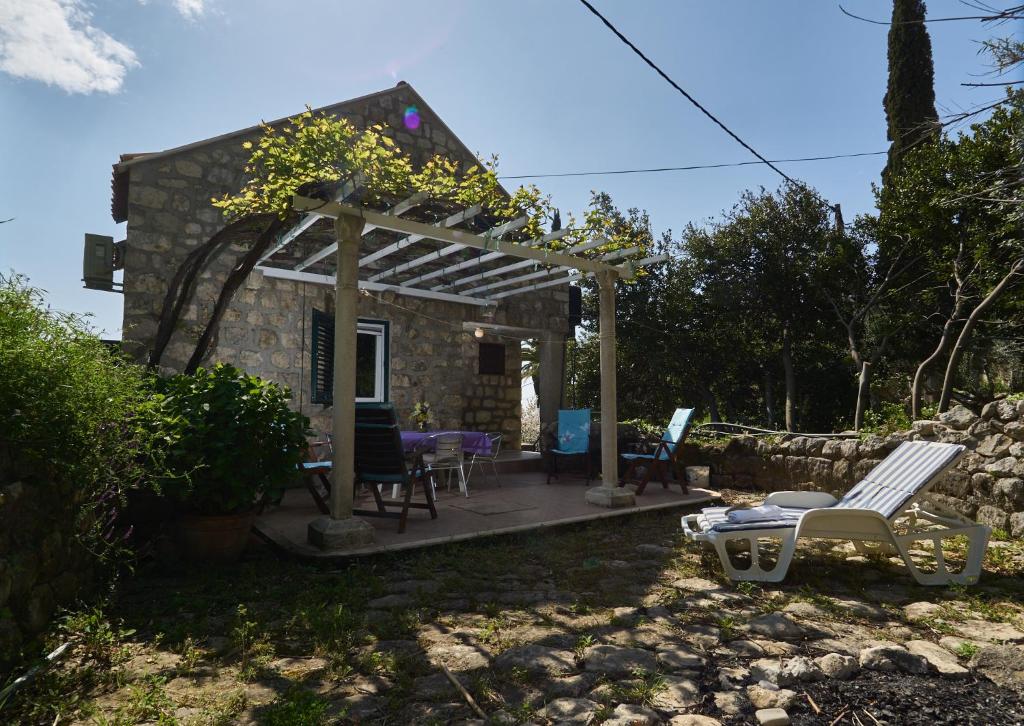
column 473, row 442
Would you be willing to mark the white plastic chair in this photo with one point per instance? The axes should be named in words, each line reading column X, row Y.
column 894, row 490
column 448, row 457
column 491, row 458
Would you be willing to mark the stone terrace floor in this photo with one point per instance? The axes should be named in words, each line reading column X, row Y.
column 523, row 502
column 619, row 621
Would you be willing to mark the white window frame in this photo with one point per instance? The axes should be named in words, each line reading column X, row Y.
column 378, row 329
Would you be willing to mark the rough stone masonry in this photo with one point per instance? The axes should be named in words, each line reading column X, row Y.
column 165, row 198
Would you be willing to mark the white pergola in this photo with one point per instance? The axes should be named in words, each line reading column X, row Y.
column 383, row 251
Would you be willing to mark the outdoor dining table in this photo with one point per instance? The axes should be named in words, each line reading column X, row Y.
column 473, row 442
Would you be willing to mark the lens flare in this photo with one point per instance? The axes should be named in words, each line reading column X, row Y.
column 411, row 118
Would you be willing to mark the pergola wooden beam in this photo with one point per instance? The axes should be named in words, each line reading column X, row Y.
column 570, row 278
column 495, row 232
column 452, row 236
column 309, row 219
column 547, row 272
column 491, row 256
column 450, row 221
column 329, row 280
column 399, row 209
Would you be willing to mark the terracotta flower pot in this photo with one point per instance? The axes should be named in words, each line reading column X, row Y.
column 218, row 538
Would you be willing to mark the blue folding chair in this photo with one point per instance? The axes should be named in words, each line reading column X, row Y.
column 573, row 440
column 664, row 458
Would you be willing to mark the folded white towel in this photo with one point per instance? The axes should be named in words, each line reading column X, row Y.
column 763, row 513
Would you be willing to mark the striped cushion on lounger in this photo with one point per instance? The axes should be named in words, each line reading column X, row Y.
column 889, row 486
column 717, row 518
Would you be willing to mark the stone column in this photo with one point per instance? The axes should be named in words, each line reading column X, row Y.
column 341, row 530
column 609, row 494
column 550, row 359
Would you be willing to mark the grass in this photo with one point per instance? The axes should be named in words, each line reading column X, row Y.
column 642, row 689
column 966, row 650
column 296, row 707
column 146, row 701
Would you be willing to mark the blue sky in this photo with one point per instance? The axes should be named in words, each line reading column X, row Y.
column 540, row 82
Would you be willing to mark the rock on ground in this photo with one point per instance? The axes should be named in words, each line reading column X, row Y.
column 677, row 694
column 838, row 666
column 614, row 660
column 761, row 697
column 627, row 714
column 1001, row 664
column 679, row 658
column 537, row 659
column 940, row 659
column 776, row 625
column 570, row 710
column 801, row 669
column 772, row 717
column 990, row 632
column 730, row 703
column 691, row 719
column 921, row 610
column 892, row 658
column 768, row 669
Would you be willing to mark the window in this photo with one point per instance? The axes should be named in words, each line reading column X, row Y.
column 492, row 359
column 372, row 359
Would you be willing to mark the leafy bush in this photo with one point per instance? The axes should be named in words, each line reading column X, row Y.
column 69, row 406
column 887, row 418
column 230, row 438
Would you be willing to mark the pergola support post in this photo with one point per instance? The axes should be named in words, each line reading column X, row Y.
column 609, row 494
column 550, row 374
column 341, row 530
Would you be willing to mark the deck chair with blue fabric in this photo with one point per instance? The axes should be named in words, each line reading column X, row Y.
column 573, row 440
column 886, row 512
column 664, row 459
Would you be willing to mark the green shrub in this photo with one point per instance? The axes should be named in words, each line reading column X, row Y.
column 69, row 406
column 887, row 418
column 230, row 438
column 646, row 428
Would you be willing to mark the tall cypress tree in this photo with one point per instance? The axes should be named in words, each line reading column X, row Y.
column 910, row 97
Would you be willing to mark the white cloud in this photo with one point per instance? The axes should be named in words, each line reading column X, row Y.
column 54, row 41
column 190, row 9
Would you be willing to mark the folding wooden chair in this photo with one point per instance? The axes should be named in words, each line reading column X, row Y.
column 380, row 460
column 573, row 440
column 665, row 457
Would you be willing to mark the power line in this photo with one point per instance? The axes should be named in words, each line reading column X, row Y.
column 1008, row 14
column 686, row 95
column 692, row 167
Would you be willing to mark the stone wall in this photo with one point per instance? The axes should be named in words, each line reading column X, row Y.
column 42, row 566
column 987, row 484
column 267, row 328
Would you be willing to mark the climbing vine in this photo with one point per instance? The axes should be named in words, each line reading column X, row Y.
column 317, row 147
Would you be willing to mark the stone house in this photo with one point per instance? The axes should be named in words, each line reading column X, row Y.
column 409, row 348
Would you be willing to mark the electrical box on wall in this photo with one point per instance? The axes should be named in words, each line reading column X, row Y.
column 101, row 257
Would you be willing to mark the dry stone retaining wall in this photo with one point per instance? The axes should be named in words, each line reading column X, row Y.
column 987, row 484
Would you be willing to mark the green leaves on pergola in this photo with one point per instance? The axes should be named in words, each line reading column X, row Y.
column 415, row 241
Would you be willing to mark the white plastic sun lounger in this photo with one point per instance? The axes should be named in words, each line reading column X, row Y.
column 893, row 490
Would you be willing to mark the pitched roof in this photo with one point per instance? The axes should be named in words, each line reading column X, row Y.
column 121, row 170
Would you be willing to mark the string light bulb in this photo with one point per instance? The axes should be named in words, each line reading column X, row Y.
column 479, row 332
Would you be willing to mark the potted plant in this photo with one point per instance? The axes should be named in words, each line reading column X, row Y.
column 231, row 442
